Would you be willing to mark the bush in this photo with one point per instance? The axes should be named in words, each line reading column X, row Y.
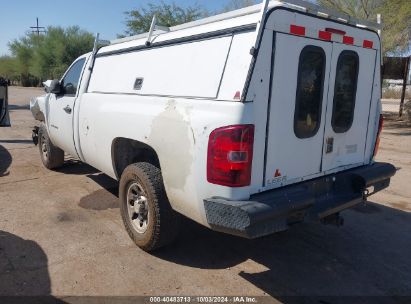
column 395, row 93
column 407, row 109
column 37, row 58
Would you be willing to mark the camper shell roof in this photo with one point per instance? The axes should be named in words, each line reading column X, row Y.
column 246, row 18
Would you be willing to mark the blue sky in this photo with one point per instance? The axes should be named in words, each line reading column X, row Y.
column 103, row 16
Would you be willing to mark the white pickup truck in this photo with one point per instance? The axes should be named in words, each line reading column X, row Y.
column 246, row 122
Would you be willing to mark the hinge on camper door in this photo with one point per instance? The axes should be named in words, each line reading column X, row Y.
column 329, row 145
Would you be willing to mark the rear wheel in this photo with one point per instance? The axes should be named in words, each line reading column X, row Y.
column 51, row 156
column 146, row 212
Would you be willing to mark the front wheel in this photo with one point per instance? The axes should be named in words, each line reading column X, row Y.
column 51, row 156
column 146, row 212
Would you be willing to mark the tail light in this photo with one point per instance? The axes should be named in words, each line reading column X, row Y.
column 230, row 156
column 377, row 142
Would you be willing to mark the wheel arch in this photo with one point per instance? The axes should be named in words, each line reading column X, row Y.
column 126, row 151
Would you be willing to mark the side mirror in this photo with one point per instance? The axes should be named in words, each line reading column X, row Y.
column 52, row 86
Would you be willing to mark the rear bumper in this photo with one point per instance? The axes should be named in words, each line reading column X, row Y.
column 313, row 200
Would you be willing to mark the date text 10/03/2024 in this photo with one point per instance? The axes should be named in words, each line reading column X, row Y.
column 181, row 299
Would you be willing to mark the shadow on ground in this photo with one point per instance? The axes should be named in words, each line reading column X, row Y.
column 368, row 256
column 103, row 199
column 400, row 126
column 5, row 161
column 23, row 271
column 13, row 107
column 76, row 167
column 16, row 141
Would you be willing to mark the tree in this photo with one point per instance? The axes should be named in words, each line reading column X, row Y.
column 40, row 57
column 237, row 4
column 362, row 9
column 8, row 68
column 23, row 52
column 396, row 15
column 139, row 21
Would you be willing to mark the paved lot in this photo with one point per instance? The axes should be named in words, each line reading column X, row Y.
column 391, row 105
column 61, row 234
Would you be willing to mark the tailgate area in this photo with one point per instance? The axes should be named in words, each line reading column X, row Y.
column 313, row 200
column 322, row 106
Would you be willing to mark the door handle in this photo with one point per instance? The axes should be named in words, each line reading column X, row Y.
column 67, row 109
column 329, row 145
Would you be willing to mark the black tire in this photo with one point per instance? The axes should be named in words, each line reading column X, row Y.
column 51, row 156
column 162, row 224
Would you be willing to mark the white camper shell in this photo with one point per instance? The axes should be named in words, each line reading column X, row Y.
column 245, row 122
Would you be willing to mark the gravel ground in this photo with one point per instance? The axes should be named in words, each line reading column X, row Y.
column 61, row 235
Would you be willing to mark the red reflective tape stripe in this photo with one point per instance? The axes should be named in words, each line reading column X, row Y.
column 325, row 35
column 348, row 40
column 335, row 31
column 368, row 44
column 297, row 30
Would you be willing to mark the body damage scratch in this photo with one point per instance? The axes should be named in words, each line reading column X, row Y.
column 173, row 138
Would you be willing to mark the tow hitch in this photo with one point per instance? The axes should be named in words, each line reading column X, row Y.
column 35, row 135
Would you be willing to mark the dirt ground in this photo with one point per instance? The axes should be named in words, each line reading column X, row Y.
column 61, row 234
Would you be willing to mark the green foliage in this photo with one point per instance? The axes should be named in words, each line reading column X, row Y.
column 396, row 15
column 362, row 9
column 139, row 21
column 22, row 50
column 47, row 56
column 237, row 4
column 9, row 68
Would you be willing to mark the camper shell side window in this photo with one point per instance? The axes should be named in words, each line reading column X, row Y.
column 345, row 91
column 310, row 87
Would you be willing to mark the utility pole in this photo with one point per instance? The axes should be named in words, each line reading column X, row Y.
column 38, row 29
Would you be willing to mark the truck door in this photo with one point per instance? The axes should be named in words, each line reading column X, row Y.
column 4, row 111
column 348, row 108
column 62, row 109
column 297, row 108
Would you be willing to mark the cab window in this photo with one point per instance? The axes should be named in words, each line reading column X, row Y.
column 345, row 92
column 310, row 86
column 71, row 79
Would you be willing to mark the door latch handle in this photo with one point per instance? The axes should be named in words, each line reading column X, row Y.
column 67, row 109
column 329, row 145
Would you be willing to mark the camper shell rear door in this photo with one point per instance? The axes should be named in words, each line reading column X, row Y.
column 322, row 84
column 349, row 102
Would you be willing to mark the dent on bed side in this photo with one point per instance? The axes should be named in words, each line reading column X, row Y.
column 173, row 138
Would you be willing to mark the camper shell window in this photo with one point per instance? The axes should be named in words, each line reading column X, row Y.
column 310, row 86
column 345, row 91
